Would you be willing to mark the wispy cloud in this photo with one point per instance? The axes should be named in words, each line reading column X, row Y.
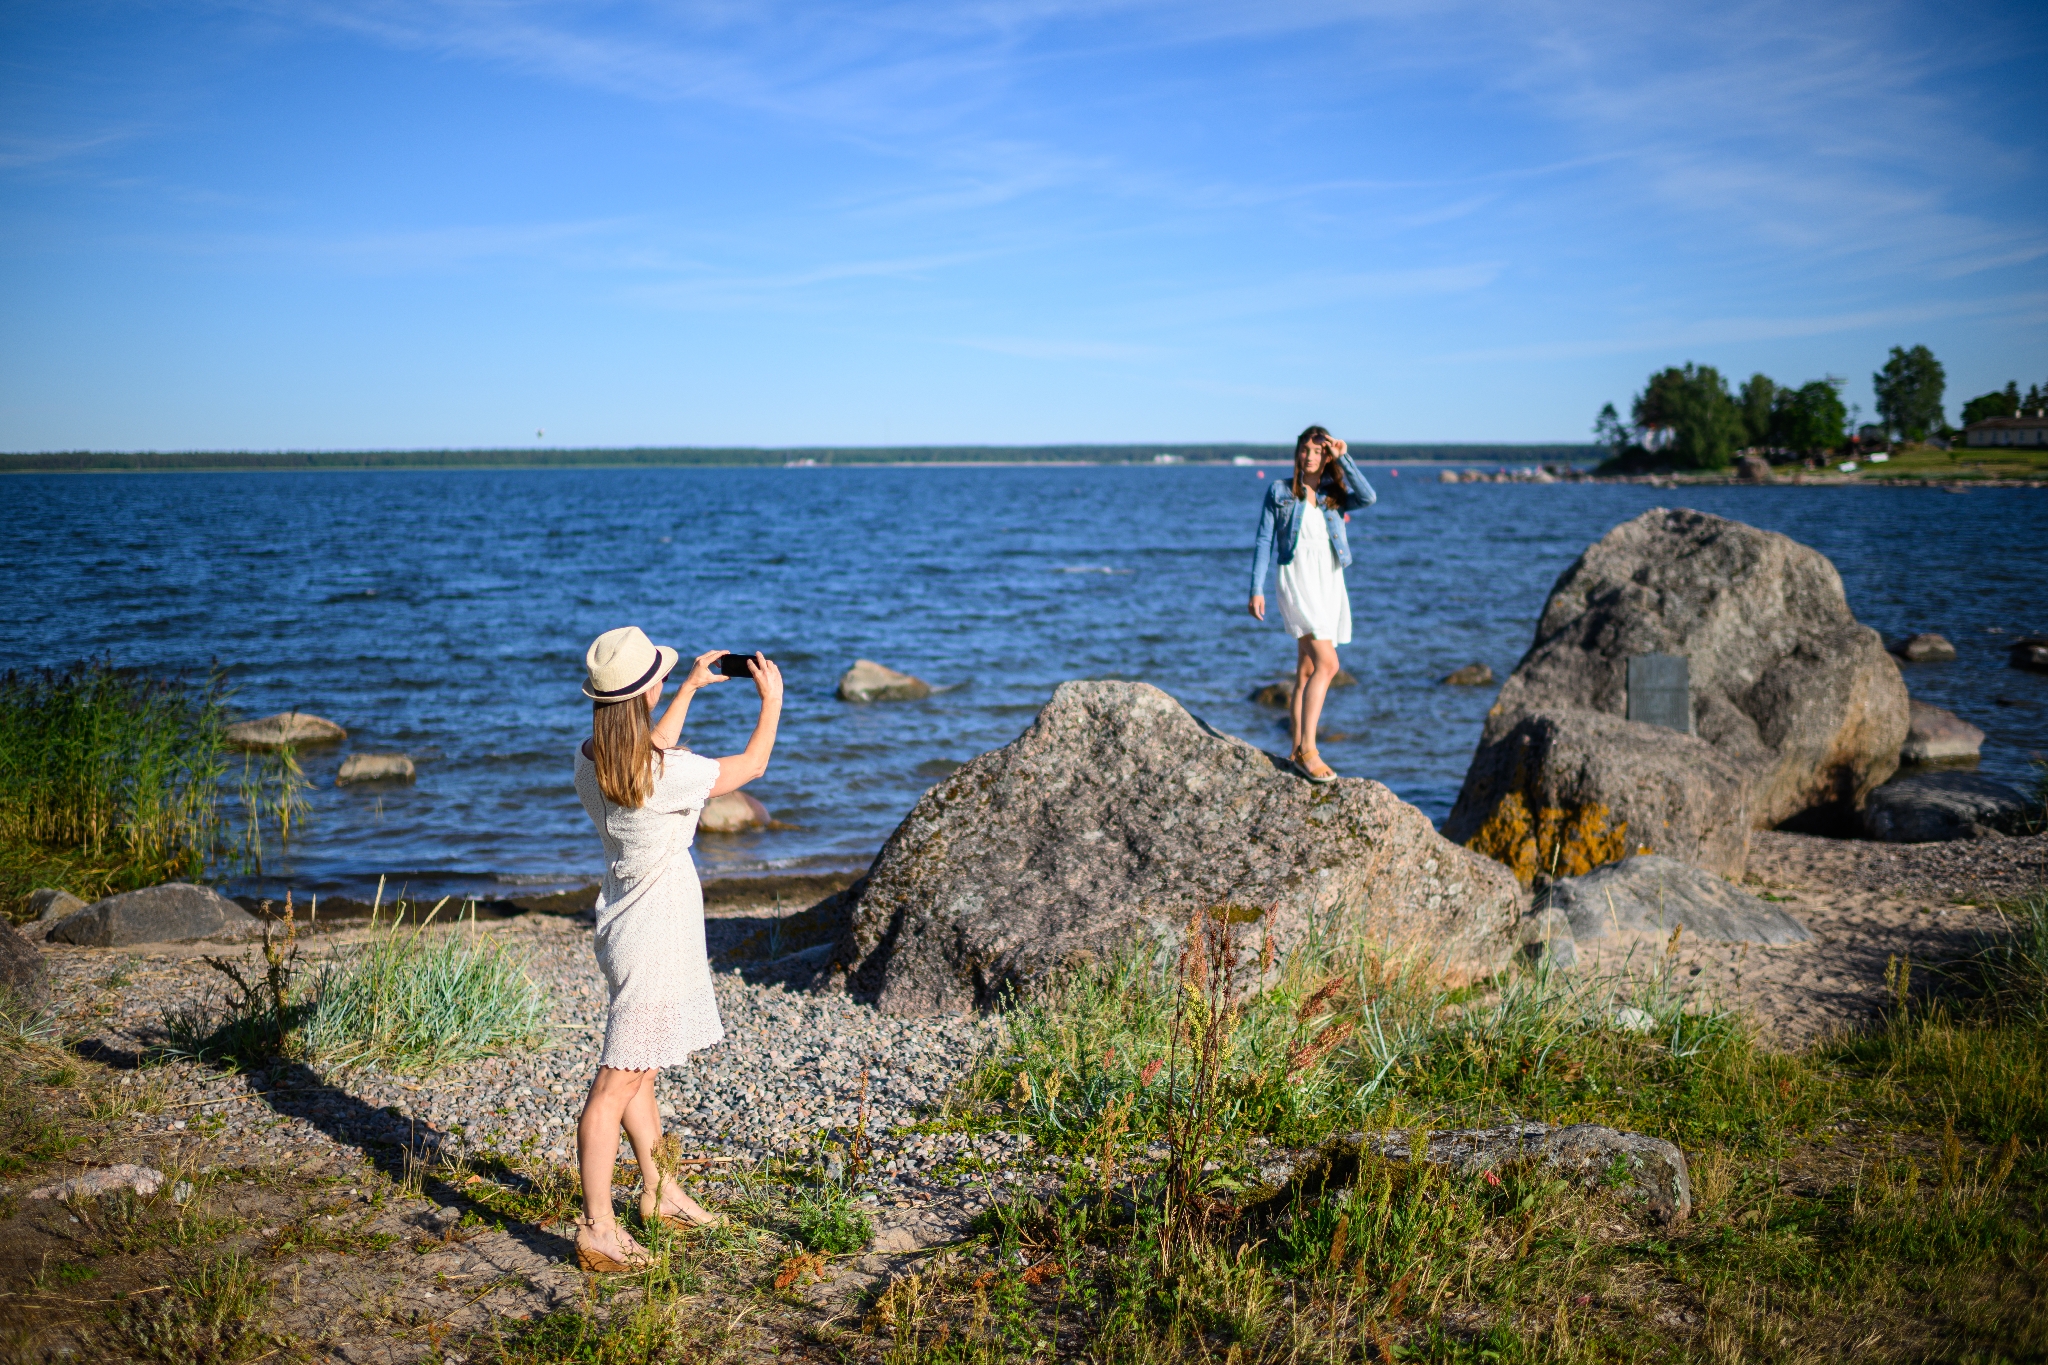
column 1725, row 331
column 18, row 152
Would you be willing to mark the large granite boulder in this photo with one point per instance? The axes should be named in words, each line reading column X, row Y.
column 1937, row 736
column 1658, row 894
column 1567, row 789
column 1113, row 819
column 176, row 912
column 1929, row 808
column 1798, row 701
column 286, row 729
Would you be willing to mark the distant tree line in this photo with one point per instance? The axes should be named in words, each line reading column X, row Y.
column 1686, row 417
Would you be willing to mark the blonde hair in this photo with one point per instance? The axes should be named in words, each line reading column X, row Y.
column 622, row 748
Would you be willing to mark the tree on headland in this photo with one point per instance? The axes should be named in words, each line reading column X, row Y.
column 1692, row 404
column 1809, row 419
column 1998, row 403
column 1610, row 431
column 1759, row 397
column 1909, row 389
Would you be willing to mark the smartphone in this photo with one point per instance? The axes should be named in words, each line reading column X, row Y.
column 732, row 665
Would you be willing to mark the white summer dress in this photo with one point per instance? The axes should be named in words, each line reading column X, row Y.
column 1313, row 599
column 650, row 917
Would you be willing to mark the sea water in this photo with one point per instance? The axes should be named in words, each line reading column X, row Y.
column 444, row 614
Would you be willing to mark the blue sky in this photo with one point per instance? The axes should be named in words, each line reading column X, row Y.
column 360, row 223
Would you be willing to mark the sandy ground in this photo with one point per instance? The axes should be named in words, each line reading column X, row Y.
column 1866, row 903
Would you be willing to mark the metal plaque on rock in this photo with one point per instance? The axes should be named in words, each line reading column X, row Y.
column 1660, row 691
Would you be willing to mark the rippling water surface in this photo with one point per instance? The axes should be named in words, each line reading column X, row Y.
column 444, row 614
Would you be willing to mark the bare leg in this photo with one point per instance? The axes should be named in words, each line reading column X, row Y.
column 1322, row 662
column 643, row 1129
column 1304, row 668
column 597, row 1148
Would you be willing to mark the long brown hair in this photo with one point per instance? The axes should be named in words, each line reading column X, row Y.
column 1330, row 484
column 621, row 745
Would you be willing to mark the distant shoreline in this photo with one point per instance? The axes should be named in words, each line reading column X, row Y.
column 93, row 462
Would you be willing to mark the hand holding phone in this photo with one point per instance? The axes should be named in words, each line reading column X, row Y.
column 733, row 664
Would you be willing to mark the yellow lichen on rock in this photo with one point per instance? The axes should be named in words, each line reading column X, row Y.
column 1562, row 843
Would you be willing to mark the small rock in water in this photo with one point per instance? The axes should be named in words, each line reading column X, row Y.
column 1937, row 736
column 1280, row 695
column 2030, row 654
column 1471, row 675
column 374, row 768
column 1925, row 648
column 295, row 728
column 731, row 814
column 870, row 681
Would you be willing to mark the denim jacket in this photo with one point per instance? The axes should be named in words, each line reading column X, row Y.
column 1280, row 522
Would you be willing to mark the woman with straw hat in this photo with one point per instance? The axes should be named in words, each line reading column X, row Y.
column 644, row 793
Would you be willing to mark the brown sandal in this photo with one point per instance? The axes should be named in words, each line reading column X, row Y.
column 598, row 1263
column 649, row 1203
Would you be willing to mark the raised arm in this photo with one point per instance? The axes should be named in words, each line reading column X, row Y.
column 743, row 767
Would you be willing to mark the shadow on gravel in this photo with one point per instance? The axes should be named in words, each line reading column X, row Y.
column 395, row 1146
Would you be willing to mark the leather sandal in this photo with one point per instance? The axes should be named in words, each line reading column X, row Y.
column 649, row 1211
column 599, row 1263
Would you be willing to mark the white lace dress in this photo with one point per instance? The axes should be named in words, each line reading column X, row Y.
column 650, row 917
column 1313, row 599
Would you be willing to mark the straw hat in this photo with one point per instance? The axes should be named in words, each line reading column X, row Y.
column 624, row 663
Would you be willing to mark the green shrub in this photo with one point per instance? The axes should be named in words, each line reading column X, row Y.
column 827, row 1220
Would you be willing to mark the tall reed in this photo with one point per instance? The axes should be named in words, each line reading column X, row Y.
column 111, row 779
column 108, row 774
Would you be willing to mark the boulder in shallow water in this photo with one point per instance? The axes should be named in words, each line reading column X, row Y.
column 176, row 912
column 1117, row 816
column 1924, row 648
column 1937, row 736
column 296, row 729
column 1796, row 698
column 870, row 681
column 732, row 813
column 1931, row 808
column 1471, row 675
column 1753, row 469
column 374, row 768
column 2030, row 654
column 1657, row 894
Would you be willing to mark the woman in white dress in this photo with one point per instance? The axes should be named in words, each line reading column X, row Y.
column 644, row 793
column 1302, row 526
